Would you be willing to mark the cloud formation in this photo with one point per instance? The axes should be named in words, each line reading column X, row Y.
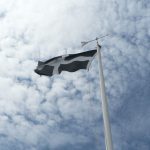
column 64, row 112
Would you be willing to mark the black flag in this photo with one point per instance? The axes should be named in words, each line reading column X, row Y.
column 71, row 63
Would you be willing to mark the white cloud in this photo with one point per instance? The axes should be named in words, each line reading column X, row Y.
column 35, row 106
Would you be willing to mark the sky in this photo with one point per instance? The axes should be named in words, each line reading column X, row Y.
column 64, row 112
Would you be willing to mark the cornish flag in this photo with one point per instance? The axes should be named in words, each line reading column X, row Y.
column 71, row 63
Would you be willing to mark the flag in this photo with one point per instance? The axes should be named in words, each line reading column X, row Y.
column 70, row 63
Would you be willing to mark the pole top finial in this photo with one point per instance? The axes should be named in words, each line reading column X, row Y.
column 96, row 39
column 98, row 43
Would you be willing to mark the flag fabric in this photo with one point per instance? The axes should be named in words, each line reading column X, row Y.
column 70, row 63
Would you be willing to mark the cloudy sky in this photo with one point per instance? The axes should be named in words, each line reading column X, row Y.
column 64, row 112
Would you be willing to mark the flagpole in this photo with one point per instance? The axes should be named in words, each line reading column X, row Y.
column 107, row 128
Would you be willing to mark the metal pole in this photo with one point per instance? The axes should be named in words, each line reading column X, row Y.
column 107, row 129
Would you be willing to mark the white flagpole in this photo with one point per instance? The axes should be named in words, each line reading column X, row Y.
column 107, row 129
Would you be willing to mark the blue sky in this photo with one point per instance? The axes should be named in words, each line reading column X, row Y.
column 64, row 112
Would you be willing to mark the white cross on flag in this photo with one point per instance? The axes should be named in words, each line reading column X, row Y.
column 71, row 63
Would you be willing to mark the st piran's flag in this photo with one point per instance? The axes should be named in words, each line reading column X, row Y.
column 71, row 63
